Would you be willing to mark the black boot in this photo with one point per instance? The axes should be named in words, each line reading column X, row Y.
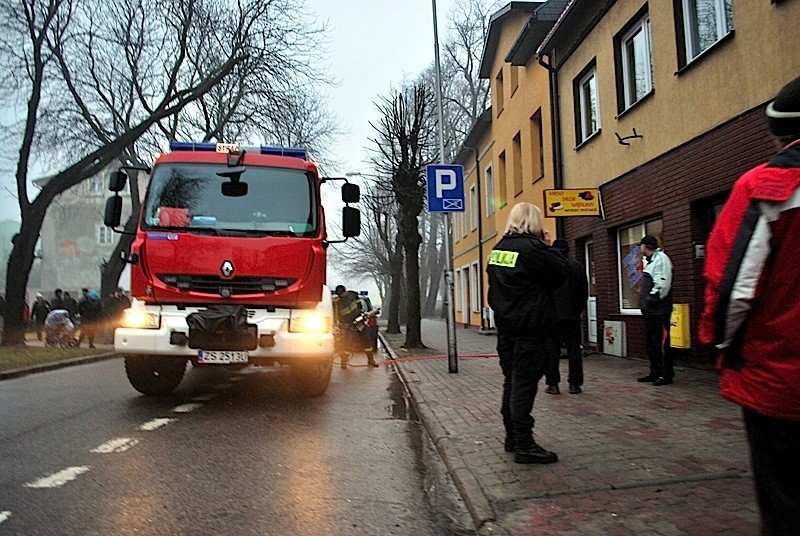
column 371, row 360
column 510, row 444
column 533, row 453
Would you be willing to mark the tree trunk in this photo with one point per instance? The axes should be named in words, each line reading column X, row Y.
column 411, row 242
column 19, row 267
column 395, row 289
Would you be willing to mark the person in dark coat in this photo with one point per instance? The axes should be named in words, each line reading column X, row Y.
column 57, row 302
column 570, row 299
column 70, row 305
column 523, row 273
column 39, row 311
column 91, row 316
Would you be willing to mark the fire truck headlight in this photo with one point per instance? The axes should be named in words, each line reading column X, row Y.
column 310, row 324
column 139, row 319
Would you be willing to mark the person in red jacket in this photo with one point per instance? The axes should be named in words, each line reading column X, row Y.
column 752, row 313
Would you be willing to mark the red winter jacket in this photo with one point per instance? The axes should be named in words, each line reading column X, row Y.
column 752, row 296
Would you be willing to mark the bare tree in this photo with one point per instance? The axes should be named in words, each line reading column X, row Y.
column 403, row 141
column 54, row 41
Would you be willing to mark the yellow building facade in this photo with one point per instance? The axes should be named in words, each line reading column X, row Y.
column 506, row 157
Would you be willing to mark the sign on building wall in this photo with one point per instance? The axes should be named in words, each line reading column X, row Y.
column 572, row 202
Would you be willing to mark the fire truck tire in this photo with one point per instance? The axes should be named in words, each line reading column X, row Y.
column 151, row 375
column 311, row 379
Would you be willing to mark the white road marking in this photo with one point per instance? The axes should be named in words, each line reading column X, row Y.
column 119, row 444
column 186, row 408
column 58, row 479
column 4, row 515
column 155, row 423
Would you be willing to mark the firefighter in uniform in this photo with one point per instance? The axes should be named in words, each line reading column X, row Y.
column 348, row 308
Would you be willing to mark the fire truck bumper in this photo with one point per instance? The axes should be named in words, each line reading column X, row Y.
column 274, row 341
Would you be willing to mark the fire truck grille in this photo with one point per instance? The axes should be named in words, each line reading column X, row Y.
column 209, row 284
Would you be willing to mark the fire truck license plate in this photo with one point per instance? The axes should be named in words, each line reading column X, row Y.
column 220, row 357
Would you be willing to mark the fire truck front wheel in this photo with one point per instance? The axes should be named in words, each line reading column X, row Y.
column 311, row 379
column 152, row 375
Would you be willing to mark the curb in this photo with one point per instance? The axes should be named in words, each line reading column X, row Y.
column 480, row 510
column 33, row 369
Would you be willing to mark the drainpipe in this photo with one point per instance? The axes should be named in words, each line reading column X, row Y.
column 555, row 131
column 480, row 232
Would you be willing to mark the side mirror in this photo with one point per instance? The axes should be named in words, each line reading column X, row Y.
column 113, row 214
column 351, row 221
column 351, row 193
column 117, row 181
column 234, row 189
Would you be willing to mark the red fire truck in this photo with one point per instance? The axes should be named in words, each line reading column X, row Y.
column 229, row 265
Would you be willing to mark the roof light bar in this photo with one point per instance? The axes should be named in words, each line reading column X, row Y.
column 293, row 152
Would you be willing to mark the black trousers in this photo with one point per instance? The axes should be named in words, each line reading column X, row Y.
column 523, row 360
column 774, row 449
column 656, row 329
column 568, row 333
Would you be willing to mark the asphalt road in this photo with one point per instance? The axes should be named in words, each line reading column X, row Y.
column 228, row 453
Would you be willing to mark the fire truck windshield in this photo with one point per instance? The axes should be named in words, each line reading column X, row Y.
column 188, row 198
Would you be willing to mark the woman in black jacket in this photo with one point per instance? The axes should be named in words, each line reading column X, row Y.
column 523, row 272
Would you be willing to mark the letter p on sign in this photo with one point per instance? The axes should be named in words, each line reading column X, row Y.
column 445, row 180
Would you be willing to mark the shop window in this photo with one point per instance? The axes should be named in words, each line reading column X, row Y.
column 630, row 261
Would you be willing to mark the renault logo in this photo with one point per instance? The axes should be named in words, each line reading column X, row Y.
column 226, row 269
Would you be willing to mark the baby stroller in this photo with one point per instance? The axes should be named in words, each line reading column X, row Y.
column 59, row 329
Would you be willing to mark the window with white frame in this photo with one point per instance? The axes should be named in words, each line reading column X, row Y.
column 630, row 261
column 635, row 68
column 474, row 208
column 489, row 180
column 474, row 287
column 96, row 186
column 587, row 106
column 465, row 292
column 704, row 23
column 105, row 235
column 457, row 291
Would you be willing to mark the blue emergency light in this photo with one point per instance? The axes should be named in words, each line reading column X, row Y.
column 294, row 152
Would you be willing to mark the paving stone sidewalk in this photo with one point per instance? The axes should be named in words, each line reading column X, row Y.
column 633, row 458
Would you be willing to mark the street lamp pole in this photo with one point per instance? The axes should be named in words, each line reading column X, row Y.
column 452, row 349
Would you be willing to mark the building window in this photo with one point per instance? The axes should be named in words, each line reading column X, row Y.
column 537, row 145
column 587, row 106
column 489, row 179
column 474, row 208
column 96, row 186
column 634, row 60
column 516, row 163
column 463, row 224
column 105, row 235
column 703, row 23
column 499, row 97
column 473, row 288
column 514, row 70
column 457, row 291
column 465, row 293
column 630, row 261
column 501, row 175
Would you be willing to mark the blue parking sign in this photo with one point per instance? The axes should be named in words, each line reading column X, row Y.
column 445, row 188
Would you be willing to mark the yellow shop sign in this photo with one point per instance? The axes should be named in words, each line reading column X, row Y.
column 572, row 202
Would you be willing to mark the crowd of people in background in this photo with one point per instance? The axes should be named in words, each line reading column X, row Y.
column 95, row 317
